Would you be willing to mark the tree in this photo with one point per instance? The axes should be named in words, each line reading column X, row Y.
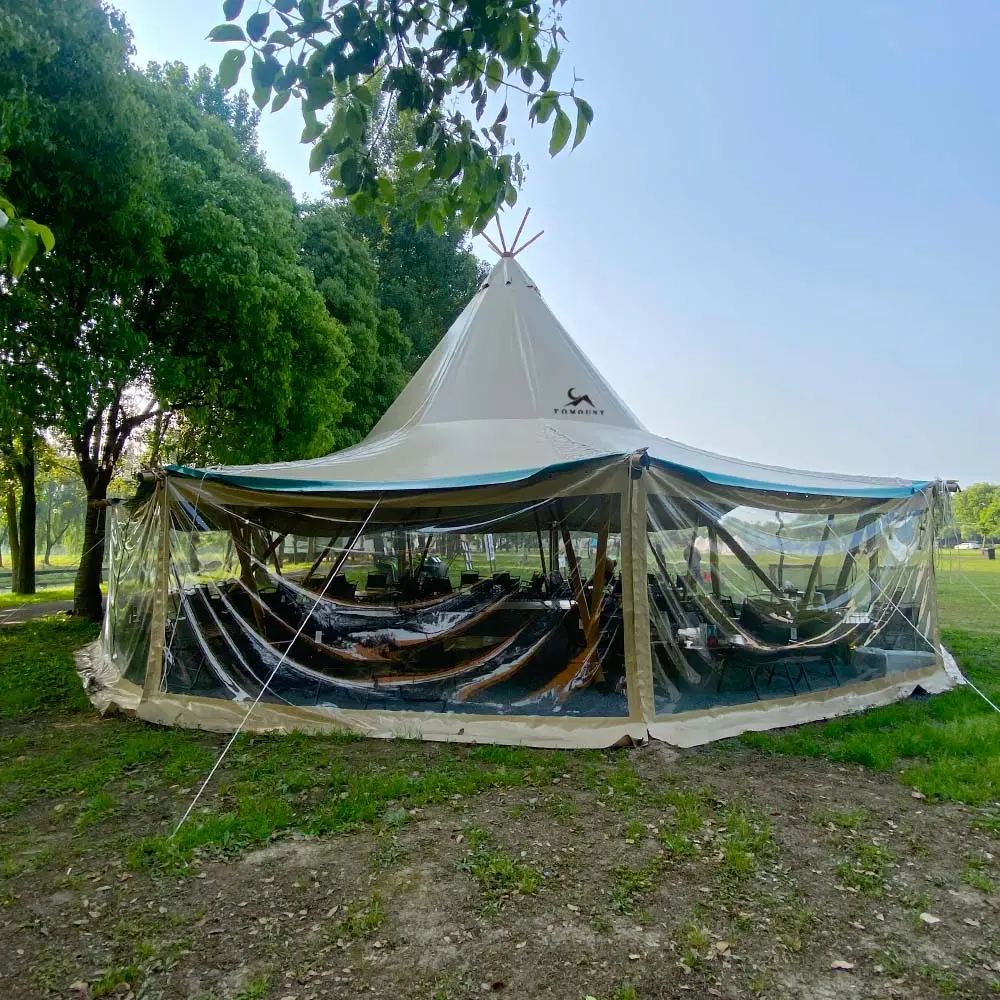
column 426, row 277
column 428, row 59
column 977, row 510
column 62, row 502
column 175, row 286
column 207, row 94
column 347, row 278
column 68, row 116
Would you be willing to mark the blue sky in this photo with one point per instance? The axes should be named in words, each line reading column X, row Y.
column 780, row 238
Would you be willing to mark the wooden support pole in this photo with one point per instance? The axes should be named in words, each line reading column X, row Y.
column 323, row 554
column 541, row 547
column 528, row 244
column 713, row 561
column 857, row 540
column 493, row 246
column 817, row 562
column 747, row 562
column 597, row 594
column 575, row 580
column 272, row 550
column 517, row 235
column 241, row 536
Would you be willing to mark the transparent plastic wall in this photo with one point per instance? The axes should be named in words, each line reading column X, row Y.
column 783, row 597
column 133, row 532
column 503, row 607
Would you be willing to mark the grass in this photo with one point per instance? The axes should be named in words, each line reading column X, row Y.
column 631, row 884
column 36, row 667
column 946, row 746
column 868, row 868
column 746, row 842
column 498, row 874
column 976, row 874
column 255, row 988
column 42, row 596
column 362, row 920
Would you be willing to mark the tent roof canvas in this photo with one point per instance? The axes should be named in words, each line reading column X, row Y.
column 507, row 394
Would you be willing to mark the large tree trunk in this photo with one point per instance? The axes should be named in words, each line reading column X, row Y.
column 10, row 502
column 23, row 581
column 87, row 600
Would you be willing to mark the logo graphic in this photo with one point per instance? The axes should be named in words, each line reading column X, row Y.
column 578, row 405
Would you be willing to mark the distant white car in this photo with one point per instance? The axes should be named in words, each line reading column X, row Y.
column 968, row 545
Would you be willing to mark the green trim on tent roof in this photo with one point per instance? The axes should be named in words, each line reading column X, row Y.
column 279, row 485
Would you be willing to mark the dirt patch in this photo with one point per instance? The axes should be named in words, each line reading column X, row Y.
column 719, row 873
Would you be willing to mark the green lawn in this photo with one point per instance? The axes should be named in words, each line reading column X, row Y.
column 43, row 596
column 947, row 746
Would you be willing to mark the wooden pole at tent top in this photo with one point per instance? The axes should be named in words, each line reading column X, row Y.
column 503, row 242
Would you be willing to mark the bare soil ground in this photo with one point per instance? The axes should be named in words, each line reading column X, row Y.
column 627, row 874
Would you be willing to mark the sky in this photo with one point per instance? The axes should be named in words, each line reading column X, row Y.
column 780, row 239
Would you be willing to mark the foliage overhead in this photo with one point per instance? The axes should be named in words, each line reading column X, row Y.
column 20, row 239
column 439, row 61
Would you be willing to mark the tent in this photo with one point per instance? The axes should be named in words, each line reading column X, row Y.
column 510, row 556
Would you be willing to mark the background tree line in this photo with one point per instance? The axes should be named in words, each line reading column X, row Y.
column 190, row 310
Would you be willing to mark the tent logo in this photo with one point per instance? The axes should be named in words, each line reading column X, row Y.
column 576, row 408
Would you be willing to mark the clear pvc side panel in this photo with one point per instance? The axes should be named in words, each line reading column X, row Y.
column 753, row 603
column 134, row 543
column 509, row 607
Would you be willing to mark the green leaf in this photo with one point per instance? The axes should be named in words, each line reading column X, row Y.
column 227, row 33
column 280, row 38
column 350, row 175
column 494, row 73
column 7, row 208
column 280, row 100
column 257, row 24
column 314, row 127
column 22, row 253
column 318, row 157
column 364, row 96
column 561, row 129
column 230, row 67
column 409, row 160
column 231, row 9
column 543, row 107
column 386, row 190
column 261, row 95
column 42, row 232
column 584, row 116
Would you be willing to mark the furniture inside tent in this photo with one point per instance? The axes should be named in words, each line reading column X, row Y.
column 511, row 557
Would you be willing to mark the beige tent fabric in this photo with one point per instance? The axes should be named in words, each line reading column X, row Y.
column 507, row 393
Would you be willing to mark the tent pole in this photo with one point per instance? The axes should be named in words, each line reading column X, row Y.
column 713, row 561
column 576, row 582
column 246, row 568
column 745, row 559
column 814, row 572
column 323, row 554
column 272, row 550
column 541, row 547
column 845, row 571
column 600, row 570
